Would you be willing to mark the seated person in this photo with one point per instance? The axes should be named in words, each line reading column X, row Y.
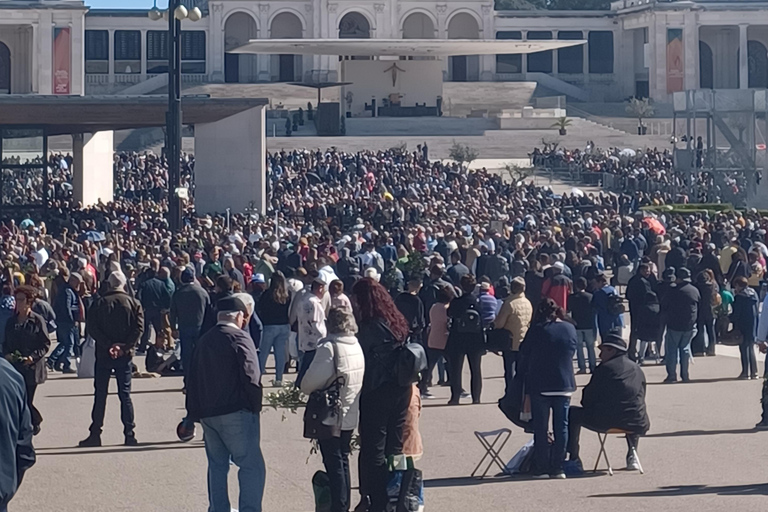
column 614, row 398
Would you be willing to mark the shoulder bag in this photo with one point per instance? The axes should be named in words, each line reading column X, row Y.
column 322, row 416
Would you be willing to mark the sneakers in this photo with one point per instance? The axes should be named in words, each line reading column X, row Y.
column 277, row 384
column 743, row 376
column 427, row 395
column 464, row 394
column 542, row 476
column 632, row 463
column 130, row 440
column 763, row 425
column 68, row 371
column 91, row 441
column 558, row 476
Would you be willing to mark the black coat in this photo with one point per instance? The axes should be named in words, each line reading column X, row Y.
column 680, row 307
column 646, row 319
column 615, row 397
column 637, row 287
column 30, row 339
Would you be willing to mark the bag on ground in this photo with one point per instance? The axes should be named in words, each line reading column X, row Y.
column 406, row 491
column 321, row 487
column 520, row 462
column 86, row 365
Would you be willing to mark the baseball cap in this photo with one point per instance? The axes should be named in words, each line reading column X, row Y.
column 258, row 278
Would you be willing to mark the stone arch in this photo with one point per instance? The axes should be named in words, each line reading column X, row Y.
column 757, row 61
column 464, row 24
column 354, row 25
column 239, row 28
column 5, row 68
column 286, row 24
column 706, row 68
column 418, row 24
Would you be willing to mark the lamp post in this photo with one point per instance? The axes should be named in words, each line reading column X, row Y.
column 174, row 14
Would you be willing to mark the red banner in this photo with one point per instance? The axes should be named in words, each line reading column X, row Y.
column 62, row 60
column 675, row 70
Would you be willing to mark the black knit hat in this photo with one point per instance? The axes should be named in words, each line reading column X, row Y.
column 614, row 339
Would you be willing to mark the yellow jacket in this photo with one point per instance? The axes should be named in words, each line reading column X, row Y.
column 515, row 316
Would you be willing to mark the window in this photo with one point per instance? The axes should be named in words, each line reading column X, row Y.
column 96, row 51
column 193, row 51
column 127, row 51
column 601, row 52
column 157, row 51
column 509, row 63
column 540, row 62
column 570, row 60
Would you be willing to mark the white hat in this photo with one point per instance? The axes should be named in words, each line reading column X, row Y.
column 372, row 273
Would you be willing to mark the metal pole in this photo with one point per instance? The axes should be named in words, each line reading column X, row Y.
column 174, row 116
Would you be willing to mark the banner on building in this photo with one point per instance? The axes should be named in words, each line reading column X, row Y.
column 675, row 70
column 62, row 60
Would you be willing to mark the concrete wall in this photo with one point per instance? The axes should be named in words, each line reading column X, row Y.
column 230, row 163
column 93, row 173
column 417, row 81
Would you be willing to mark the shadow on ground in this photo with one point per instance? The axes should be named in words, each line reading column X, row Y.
column 693, row 490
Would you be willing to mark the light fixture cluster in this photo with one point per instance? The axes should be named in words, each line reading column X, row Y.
column 180, row 13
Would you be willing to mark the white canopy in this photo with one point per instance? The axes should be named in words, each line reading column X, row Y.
column 400, row 47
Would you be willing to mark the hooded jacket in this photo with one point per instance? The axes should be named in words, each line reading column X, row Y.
column 745, row 313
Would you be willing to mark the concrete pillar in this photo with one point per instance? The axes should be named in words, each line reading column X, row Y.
column 93, row 176
column 585, row 57
column 45, row 61
column 77, row 85
column 743, row 58
column 524, row 56
column 230, row 163
column 691, row 52
column 111, row 64
column 216, row 44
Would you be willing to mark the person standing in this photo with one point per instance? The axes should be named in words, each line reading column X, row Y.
column 437, row 339
column 311, row 325
column 273, row 311
column 745, row 318
column 637, row 288
column 411, row 307
column 515, row 317
column 66, row 307
column 582, row 313
column 26, row 343
column 15, row 433
column 116, row 323
column 224, row 394
column 189, row 305
column 680, row 310
column 155, row 298
column 606, row 303
column 547, row 355
column 383, row 400
column 466, row 339
column 338, row 355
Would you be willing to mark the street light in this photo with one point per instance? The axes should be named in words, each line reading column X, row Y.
column 173, row 117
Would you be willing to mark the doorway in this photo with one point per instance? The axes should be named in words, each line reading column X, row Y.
column 5, row 69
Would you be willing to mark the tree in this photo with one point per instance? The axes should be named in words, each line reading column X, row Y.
column 462, row 153
column 640, row 108
column 517, row 173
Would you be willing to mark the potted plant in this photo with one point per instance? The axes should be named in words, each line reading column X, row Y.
column 562, row 124
column 640, row 108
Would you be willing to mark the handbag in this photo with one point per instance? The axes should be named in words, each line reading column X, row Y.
column 731, row 338
column 322, row 415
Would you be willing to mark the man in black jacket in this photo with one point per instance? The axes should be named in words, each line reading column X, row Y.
column 614, row 398
column 155, row 298
column 679, row 312
column 189, row 305
column 457, row 270
column 116, row 322
column 637, row 288
column 224, row 393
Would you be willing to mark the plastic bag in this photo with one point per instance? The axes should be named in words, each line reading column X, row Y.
column 517, row 464
column 406, row 491
column 86, row 365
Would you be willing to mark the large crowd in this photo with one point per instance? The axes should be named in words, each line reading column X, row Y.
column 370, row 271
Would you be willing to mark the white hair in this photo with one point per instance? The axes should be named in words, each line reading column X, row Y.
column 247, row 300
column 229, row 316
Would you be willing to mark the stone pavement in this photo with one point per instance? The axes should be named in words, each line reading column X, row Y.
column 700, row 455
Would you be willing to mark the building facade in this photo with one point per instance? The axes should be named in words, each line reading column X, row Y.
column 647, row 48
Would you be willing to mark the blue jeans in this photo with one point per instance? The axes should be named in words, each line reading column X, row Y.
column 549, row 459
column 274, row 336
column 586, row 337
column 67, row 336
column 123, row 370
column 678, row 347
column 234, row 436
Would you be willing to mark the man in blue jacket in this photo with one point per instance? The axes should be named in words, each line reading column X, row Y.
column 18, row 455
column 66, row 306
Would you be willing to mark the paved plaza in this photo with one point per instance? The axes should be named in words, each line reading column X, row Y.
column 701, row 453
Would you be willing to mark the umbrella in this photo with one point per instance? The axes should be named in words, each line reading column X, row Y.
column 26, row 223
column 313, row 178
column 654, row 225
column 91, row 236
column 614, row 158
column 577, row 192
column 627, row 152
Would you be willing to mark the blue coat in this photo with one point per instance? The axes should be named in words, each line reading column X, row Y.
column 605, row 319
column 548, row 351
column 18, row 455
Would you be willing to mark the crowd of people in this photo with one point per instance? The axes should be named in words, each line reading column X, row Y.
column 360, row 255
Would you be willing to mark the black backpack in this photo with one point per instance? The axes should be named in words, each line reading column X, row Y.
column 469, row 322
column 615, row 304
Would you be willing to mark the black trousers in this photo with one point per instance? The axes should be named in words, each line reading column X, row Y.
column 336, row 460
column 122, row 368
column 433, row 356
column 474, row 354
column 382, row 417
column 37, row 418
column 510, row 360
column 576, row 420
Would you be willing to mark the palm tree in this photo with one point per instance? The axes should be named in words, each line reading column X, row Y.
column 562, row 124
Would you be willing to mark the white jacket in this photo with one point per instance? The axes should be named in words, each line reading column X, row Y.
column 321, row 374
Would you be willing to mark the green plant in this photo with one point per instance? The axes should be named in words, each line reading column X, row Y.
column 640, row 108
column 401, row 148
column 517, row 173
column 288, row 398
column 415, row 265
column 562, row 123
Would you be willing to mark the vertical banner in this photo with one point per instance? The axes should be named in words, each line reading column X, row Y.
column 62, row 60
column 675, row 71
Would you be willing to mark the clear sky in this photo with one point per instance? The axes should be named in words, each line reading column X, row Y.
column 125, row 4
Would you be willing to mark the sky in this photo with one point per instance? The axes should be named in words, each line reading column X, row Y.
column 125, row 4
